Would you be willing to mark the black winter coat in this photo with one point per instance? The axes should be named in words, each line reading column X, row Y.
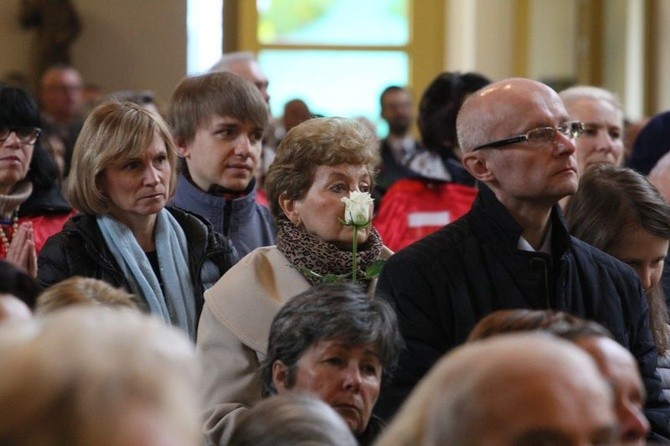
column 80, row 250
column 445, row 283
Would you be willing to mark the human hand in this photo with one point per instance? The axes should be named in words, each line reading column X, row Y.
column 21, row 251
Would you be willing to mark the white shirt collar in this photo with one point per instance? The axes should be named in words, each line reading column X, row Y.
column 523, row 244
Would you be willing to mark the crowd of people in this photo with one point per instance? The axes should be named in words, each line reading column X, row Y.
column 204, row 277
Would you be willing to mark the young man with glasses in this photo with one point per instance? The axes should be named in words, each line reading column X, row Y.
column 512, row 250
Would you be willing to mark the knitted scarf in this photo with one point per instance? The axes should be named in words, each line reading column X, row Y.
column 306, row 252
column 10, row 202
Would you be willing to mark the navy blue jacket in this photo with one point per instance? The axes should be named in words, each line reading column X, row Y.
column 443, row 284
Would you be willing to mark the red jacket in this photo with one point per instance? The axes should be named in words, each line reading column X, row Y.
column 44, row 226
column 414, row 208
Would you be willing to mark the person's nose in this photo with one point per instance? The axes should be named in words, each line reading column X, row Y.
column 352, row 378
column 243, row 146
column 12, row 140
column 564, row 144
column 648, row 277
column 604, row 141
column 634, row 425
column 151, row 176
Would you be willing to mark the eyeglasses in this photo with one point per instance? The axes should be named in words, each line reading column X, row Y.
column 27, row 135
column 539, row 135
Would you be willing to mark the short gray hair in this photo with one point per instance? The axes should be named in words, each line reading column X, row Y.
column 328, row 311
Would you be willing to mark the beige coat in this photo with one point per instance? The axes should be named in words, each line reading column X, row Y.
column 233, row 332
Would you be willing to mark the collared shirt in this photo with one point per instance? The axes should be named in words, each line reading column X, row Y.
column 523, row 244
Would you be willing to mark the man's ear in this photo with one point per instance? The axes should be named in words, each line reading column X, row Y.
column 478, row 166
column 182, row 148
column 291, row 208
column 279, row 376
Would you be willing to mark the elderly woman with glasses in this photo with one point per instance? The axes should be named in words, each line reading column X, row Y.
column 32, row 207
column 123, row 174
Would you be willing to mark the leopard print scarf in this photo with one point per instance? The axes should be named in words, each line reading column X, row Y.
column 307, row 252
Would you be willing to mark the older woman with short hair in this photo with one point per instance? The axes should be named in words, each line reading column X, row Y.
column 123, row 173
column 318, row 163
column 334, row 342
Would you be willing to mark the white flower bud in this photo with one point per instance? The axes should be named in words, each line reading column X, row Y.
column 357, row 209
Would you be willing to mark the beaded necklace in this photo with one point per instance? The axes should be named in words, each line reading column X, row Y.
column 3, row 235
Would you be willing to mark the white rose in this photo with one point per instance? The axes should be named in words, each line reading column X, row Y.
column 357, row 208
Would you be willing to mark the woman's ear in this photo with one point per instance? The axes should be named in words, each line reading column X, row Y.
column 291, row 208
column 478, row 167
column 279, row 376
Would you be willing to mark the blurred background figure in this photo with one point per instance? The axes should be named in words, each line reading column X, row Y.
column 292, row 419
column 295, row 112
column 438, row 190
column 141, row 97
column 83, row 291
column 650, row 153
column 58, row 25
column 552, row 394
column 18, row 293
column 602, row 114
column 124, row 171
column 32, row 207
column 398, row 147
column 61, row 106
column 630, row 132
column 97, row 376
column 244, row 63
column 616, row 364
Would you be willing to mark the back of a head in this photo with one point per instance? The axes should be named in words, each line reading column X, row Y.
column 292, row 419
column 83, row 291
column 520, row 320
column 651, row 144
column 81, row 375
column 439, row 107
column 463, row 399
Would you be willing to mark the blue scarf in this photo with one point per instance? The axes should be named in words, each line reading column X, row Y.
column 177, row 306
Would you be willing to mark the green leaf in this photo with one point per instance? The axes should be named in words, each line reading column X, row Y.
column 373, row 270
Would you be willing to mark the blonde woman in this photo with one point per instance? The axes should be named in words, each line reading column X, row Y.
column 123, row 174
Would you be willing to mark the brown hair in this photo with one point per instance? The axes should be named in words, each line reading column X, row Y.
column 611, row 200
column 317, row 142
column 198, row 98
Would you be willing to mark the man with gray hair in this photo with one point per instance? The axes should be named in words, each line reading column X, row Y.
column 244, row 63
column 513, row 249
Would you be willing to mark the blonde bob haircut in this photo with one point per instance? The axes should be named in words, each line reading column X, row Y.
column 114, row 132
column 318, row 142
